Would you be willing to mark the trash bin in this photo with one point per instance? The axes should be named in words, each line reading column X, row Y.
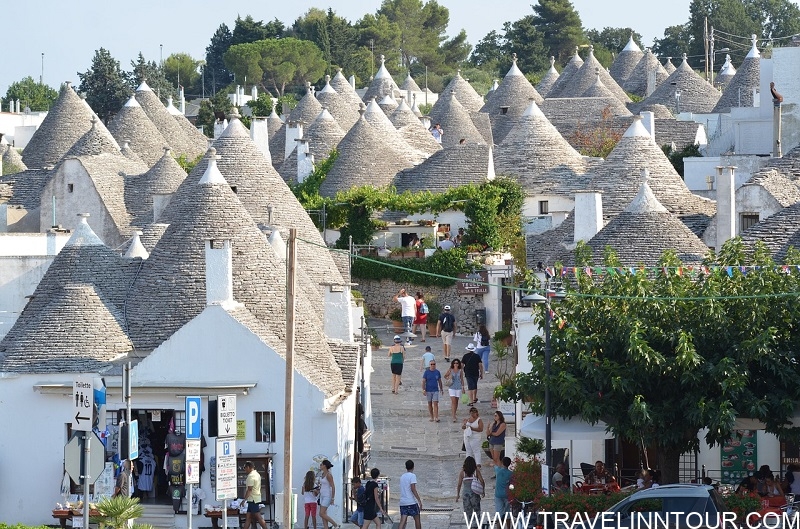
column 480, row 316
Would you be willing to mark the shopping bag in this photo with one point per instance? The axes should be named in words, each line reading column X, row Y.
column 464, row 398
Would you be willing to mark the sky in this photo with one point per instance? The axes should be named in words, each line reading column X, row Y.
column 68, row 33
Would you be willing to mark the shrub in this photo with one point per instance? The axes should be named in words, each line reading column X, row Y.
column 590, row 504
column 448, row 263
column 527, row 480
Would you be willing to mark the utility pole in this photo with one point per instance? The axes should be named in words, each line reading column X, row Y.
column 41, row 78
column 711, row 67
column 291, row 281
column 705, row 42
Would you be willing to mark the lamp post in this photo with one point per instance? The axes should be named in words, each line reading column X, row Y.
column 548, row 353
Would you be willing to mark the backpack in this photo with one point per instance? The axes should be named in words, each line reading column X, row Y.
column 361, row 496
column 447, row 322
column 423, row 309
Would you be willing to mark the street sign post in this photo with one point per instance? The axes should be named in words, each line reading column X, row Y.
column 133, row 440
column 226, row 415
column 226, row 469
column 73, row 457
column 83, row 404
column 194, row 429
column 193, row 417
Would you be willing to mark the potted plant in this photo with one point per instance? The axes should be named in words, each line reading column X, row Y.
column 434, row 309
column 530, row 447
column 504, row 336
column 117, row 511
column 374, row 341
column 503, row 361
column 396, row 315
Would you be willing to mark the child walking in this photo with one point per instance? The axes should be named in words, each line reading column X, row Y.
column 310, row 492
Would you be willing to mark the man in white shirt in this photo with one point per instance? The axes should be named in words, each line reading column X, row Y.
column 410, row 502
column 408, row 311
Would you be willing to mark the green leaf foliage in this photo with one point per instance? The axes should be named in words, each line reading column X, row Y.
column 448, row 263
column 660, row 356
column 31, row 94
column 105, row 85
column 151, row 72
column 180, row 69
column 217, row 74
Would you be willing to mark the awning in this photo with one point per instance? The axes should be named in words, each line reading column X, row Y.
column 533, row 426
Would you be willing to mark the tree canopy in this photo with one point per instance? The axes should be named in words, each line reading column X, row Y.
column 180, row 69
column 105, row 85
column 31, row 94
column 153, row 74
column 560, row 26
column 274, row 63
column 215, row 68
column 662, row 354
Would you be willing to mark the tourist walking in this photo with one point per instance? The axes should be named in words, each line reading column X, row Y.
column 410, row 502
column 427, row 358
column 473, row 438
column 373, row 503
column 327, row 493
column 358, row 493
column 473, row 371
column 397, row 354
column 454, row 380
column 496, row 432
column 253, row 497
column 310, row 493
column 421, row 321
column 437, row 133
column 470, row 487
column 432, row 388
column 446, row 328
column 482, row 345
column 408, row 311
column 503, row 476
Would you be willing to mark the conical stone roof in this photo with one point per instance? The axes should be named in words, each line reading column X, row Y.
column 346, row 90
column 277, row 146
column 410, row 84
column 625, row 62
column 726, row 73
column 548, row 79
column 539, row 158
column 619, row 177
column 164, row 177
column 387, row 104
column 637, row 80
column 131, row 124
column 382, row 84
column 739, row 91
column 563, row 80
column 643, row 232
column 343, row 109
column 412, row 129
column 586, row 76
column 261, row 189
column 778, row 232
column 509, row 101
column 466, row 95
column 668, row 66
column 166, row 124
column 193, row 133
column 452, row 167
column 376, row 117
column 77, row 332
column 696, row 94
column 12, row 160
column 365, row 158
column 97, row 141
column 66, row 122
column 307, row 109
column 128, row 153
column 455, row 120
column 323, row 135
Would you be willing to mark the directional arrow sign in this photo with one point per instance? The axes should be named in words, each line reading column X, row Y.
column 82, row 404
column 226, row 416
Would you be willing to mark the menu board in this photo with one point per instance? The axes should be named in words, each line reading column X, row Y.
column 738, row 456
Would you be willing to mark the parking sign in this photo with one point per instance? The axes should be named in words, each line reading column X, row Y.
column 193, row 416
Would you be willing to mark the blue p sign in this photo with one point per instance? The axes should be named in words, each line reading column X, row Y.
column 226, row 448
column 193, row 429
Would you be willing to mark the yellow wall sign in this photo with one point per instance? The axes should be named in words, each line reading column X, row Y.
column 241, row 428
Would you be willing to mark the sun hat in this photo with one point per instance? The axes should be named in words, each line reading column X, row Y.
column 470, row 347
column 447, row 307
column 397, row 338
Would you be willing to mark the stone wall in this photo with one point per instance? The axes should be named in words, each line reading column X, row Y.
column 378, row 301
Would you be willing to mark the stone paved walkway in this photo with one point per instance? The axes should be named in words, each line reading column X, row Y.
column 402, row 431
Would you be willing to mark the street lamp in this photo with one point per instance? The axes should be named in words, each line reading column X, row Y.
column 548, row 318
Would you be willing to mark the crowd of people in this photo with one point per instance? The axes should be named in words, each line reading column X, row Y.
column 766, row 484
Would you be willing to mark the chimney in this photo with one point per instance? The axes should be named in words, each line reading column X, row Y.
column 294, row 131
column 183, row 102
column 726, row 206
column 352, row 81
column 588, row 214
column 254, row 92
column 649, row 122
column 219, row 272
column 236, row 96
column 18, row 111
column 259, row 133
column 278, row 244
column 305, row 160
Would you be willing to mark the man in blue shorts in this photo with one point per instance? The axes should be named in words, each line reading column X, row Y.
column 410, row 502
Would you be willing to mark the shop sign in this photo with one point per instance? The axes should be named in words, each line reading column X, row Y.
column 473, row 283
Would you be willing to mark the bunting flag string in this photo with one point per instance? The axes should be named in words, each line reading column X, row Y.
column 688, row 270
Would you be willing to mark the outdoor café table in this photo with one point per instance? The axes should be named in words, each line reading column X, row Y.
column 597, row 488
column 214, row 516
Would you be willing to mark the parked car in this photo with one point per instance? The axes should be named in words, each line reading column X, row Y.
column 673, row 503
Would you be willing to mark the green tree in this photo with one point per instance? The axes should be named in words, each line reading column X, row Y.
column 248, row 30
column 677, row 41
column 217, row 73
column 456, row 50
column 335, row 36
column 262, row 105
column 151, row 72
column 31, row 94
column 526, row 39
column 661, row 356
column 422, row 29
column 488, row 53
column 779, row 18
column 274, row 63
column 731, row 16
column 218, row 104
column 560, row 26
column 613, row 39
column 181, row 69
column 105, row 85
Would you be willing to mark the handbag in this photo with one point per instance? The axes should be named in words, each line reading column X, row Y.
column 448, row 380
column 477, row 487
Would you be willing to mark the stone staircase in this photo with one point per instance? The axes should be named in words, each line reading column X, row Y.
column 159, row 516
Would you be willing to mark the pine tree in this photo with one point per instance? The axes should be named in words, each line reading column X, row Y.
column 105, row 85
column 217, row 74
column 153, row 74
column 560, row 26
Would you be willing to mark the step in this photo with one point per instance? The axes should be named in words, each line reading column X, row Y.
column 161, row 516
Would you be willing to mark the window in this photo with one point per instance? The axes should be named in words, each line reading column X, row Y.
column 70, row 188
column 503, row 111
column 233, row 188
column 265, row 426
column 544, row 207
column 748, row 219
